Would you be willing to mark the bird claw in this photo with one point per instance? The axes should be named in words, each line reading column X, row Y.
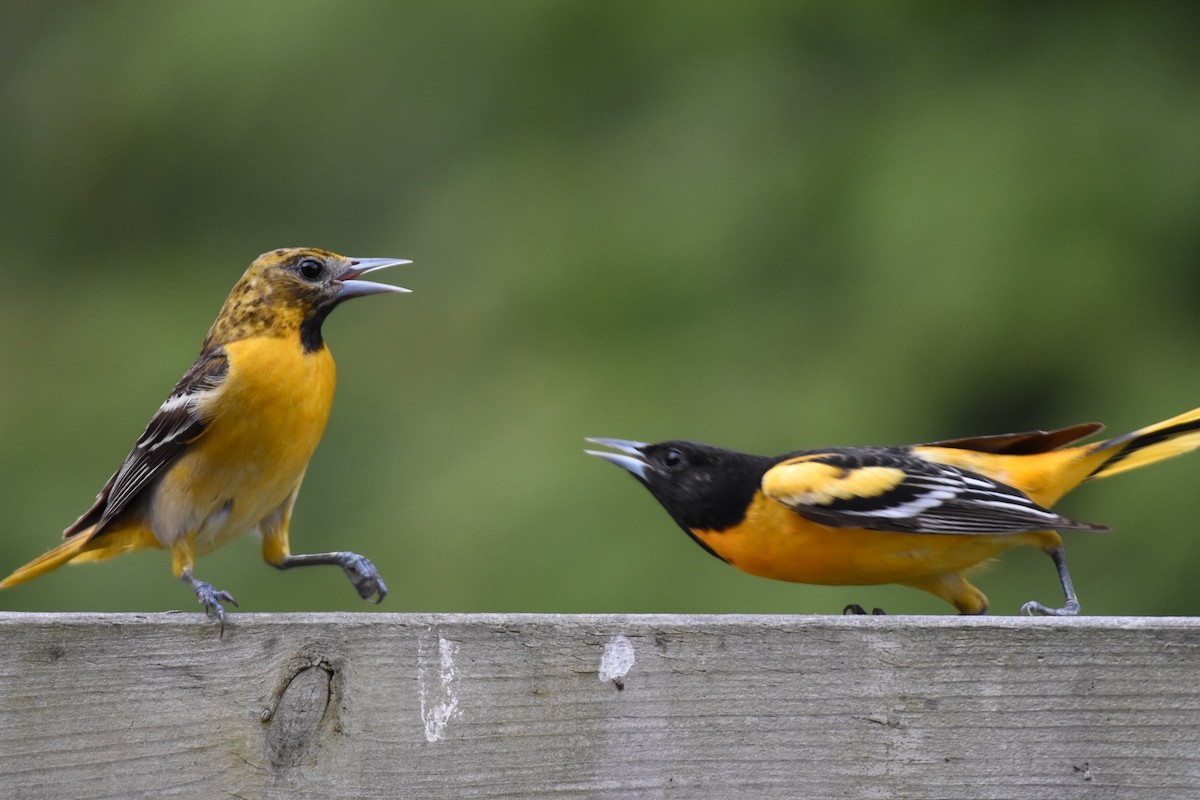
column 365, row 577
column 210, row 597
column 856, row 610
column 1034, row 608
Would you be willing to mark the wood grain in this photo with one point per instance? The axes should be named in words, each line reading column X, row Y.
column 514, row 706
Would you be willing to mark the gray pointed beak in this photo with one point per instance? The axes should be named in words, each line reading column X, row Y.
column 352, row 287
column 630, row 458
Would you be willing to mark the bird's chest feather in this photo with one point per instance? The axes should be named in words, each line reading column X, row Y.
column 773, row 542
column 263, row 427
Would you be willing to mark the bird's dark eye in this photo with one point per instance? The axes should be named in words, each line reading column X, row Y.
column 311, row 269
column 673, row 458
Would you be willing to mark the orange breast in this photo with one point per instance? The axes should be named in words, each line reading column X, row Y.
column 773, row 542
column 266, row 423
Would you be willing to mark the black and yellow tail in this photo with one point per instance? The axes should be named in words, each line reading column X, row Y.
column 1166, row 439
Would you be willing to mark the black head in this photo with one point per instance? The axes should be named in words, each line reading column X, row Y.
column 700, row 486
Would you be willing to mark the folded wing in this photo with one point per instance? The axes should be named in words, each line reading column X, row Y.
column 893, row 489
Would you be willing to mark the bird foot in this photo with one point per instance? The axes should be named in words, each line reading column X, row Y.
column 365, row 577
column 211, row 597
column 856, row 610
column 1034, row 608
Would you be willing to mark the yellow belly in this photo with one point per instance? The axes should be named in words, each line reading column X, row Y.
column 265, row 424
column 772, row 542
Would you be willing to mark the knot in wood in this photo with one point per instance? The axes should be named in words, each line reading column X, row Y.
column 295, row 722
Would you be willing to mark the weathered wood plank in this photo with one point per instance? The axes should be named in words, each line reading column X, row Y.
column 498, row 706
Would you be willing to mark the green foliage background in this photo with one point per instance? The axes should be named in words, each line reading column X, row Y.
column 761, row 225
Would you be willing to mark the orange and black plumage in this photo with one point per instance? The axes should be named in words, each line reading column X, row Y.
column 918, row 515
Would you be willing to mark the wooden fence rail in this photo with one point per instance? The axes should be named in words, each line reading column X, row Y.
column 646, row 706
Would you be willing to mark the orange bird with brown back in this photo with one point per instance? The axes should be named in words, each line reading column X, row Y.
column 227, row 451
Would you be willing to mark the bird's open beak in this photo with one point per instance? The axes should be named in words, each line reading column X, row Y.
column 352, row 287
column 630, row 458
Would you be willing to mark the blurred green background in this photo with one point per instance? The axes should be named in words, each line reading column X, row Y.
column 761, row 225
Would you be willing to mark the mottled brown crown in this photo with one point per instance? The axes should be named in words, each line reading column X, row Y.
column 282, row 292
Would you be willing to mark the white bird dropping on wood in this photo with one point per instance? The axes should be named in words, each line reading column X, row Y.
column 617, row 660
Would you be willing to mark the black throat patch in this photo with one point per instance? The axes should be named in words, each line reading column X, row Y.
column 311, row 338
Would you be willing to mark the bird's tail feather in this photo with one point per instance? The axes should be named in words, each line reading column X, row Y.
column 49, row 561
column 1166, row 439
column 86, row 545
